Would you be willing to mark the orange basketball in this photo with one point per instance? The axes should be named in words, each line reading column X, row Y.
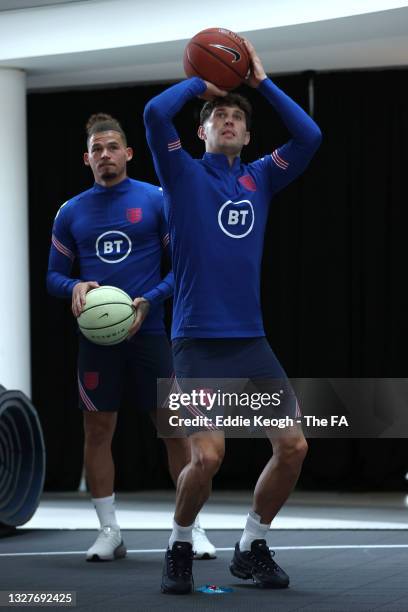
column 218, row 56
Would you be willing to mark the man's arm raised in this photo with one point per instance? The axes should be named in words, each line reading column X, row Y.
column 162, row 136
column 288, row 161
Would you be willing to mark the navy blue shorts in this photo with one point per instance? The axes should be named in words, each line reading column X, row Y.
column 247, row 366
column 103, row 372
column 225, row 358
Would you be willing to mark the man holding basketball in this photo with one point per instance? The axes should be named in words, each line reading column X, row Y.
column 217, row 210
column 117, row 231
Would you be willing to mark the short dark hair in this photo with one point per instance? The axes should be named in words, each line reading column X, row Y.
column 101, row 122
column 231, row 99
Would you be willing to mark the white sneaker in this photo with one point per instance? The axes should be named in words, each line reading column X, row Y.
column 202, row 547
column 108, row 545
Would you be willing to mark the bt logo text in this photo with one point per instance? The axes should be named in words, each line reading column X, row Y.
column 113, row 246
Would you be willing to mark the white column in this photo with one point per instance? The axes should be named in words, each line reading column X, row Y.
column 14, row 268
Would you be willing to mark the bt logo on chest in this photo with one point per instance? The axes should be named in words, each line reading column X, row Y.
column 113, row 246
column 236, row 219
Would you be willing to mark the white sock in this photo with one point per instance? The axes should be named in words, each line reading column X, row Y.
column 105, row 509
column 181, row 534
column 254, row 530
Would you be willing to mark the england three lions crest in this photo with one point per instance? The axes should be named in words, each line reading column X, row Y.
column 134, row 215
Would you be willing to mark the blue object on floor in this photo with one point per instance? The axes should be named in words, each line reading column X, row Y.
column 214, row 589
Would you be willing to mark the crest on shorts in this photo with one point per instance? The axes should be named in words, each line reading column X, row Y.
column 91, row 380
column 134, row 215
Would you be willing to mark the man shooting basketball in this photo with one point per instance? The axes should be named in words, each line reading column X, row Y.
column 117, row 232
column 217, row 327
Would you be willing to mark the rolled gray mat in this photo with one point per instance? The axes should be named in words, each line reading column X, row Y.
column 22, row 458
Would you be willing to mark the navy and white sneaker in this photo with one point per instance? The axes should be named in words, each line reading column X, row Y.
column 177, row 570
column 259, row 565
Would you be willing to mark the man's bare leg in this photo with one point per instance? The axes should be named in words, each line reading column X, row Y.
column 193, row 489
column 178, row 452
column 195, row 480
column 99, row 429
column 252, row 558
column 280, row 475
column 178, row 456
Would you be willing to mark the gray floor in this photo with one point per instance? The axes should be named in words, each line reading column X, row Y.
column 343, row 552
column 334, row 571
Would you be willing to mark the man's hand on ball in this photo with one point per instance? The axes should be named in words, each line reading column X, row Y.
column 142, row 307
column 79, row 295
column 257, row 73
column 212, row 92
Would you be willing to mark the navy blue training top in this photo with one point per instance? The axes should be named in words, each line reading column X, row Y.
column 217, row 214
column 117, row 234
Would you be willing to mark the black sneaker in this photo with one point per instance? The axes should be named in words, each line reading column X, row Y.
column 259, row 565
column 177, row 570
